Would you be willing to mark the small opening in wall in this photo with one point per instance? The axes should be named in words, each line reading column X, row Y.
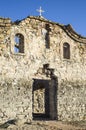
column 19, row 43
column 47, row 38
column 66, row 51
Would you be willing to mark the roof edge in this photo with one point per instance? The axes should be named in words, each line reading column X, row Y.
column 73, row 34
column 67, row 28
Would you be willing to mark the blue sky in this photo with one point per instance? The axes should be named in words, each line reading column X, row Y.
column 61, row 11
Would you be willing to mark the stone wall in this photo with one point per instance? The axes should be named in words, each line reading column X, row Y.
column 15, row 91
column 43, row 44
column 15, row 100
column 5, row 25
column 71, row 101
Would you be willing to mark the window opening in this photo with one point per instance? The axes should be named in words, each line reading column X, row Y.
column 66, row 51
column 19, row 43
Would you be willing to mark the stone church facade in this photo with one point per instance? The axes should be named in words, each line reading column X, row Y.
column 42, row 71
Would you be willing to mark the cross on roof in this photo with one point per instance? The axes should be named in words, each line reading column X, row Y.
column 40, row 11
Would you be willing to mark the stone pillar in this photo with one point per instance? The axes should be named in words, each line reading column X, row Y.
column 53, row 98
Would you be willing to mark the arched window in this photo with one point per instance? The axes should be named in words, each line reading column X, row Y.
column 66, row 51
column 19, row 43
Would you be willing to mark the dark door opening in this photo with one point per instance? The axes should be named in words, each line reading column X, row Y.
column 44, row 99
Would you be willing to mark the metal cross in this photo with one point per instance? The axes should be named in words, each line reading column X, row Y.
column 40, row 11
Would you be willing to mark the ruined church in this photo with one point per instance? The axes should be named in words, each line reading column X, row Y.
column 42, row 71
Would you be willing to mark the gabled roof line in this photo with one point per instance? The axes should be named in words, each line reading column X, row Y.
column 67, row 28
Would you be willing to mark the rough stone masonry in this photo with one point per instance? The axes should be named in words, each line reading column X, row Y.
column 42, row 71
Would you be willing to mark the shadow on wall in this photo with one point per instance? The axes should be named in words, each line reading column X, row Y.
column 47, row 38
column 8, row 123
